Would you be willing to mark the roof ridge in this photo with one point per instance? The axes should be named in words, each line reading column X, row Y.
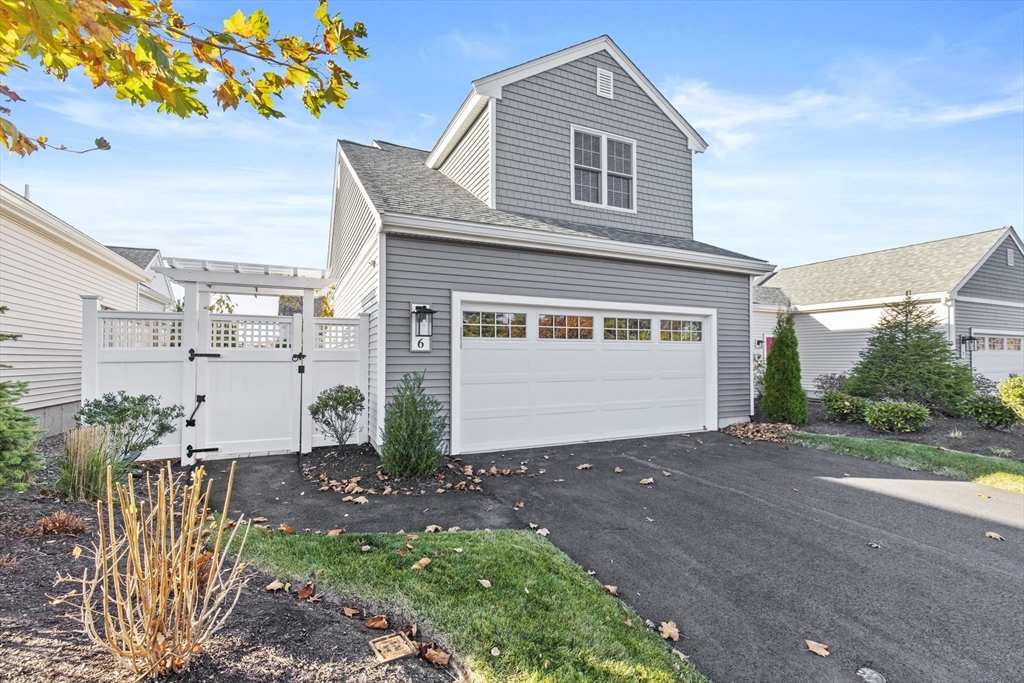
column 392, row 144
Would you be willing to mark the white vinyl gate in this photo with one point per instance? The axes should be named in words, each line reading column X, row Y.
column 245, row 381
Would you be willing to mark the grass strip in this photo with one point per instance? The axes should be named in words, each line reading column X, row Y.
column 550, row 620
column 980, row 469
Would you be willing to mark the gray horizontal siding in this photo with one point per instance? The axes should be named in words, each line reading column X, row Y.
column 469, row 164
column 351, row 225
column 533, row 165
column 427, row 271
column 968, row 314
column 360, row 295
column 824, row 351
column 997, row 280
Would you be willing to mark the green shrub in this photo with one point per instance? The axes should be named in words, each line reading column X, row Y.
column 82, row 471
column 897, row 416
column 908, row 359
column 784, row 399
column 832, row 381
column 136, row 422
column 840, row 406
column 412, row 441
column 19, row 458
column 991, row 411
column 336, row 412
column 1011, row 393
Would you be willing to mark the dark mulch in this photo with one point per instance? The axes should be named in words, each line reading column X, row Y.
column 269, row 637
column 1006, row 443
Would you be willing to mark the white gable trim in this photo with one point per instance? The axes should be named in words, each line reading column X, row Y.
column 457, row 127
column 491, row 86
column 977, row 266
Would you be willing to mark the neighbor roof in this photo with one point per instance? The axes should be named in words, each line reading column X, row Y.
column 397, row 180
column 140, row 257
column 770, row 296
column 928, row 267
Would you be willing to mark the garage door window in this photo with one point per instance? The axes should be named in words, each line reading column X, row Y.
column 680, row 331
column 551, row 326
column 627, row 329
column 995, row 343
column 1013, row 343
column 476, row 324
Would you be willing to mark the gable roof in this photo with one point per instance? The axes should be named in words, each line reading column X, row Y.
column 928, row 267
column 397, row 181
column 770, row 296
column 140, row 257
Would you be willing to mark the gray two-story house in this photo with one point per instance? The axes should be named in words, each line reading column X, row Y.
column 548, row 237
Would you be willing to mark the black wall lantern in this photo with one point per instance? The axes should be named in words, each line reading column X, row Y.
column 422, row 327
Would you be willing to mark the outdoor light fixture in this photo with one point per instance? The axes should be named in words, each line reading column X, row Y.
column 422, row 327
column 967, row 343
column 758, row 343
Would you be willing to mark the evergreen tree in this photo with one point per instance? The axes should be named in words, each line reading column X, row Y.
column 412, row 441
column 784, row 399
column 908, row 358
column 19, row 458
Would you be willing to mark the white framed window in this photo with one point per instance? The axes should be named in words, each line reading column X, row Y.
column 627, row 329
column 1013, row 343
column 603, row 170
column 995, row 343
column 551, row 326
column 680, row 330
column 492, row 325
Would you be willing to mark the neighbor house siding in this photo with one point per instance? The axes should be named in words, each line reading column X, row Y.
column 469, row 164
column 533, row 166
column 997, row 280
column 352, row 225
column 763, row 324
column 824, row 351
column 427, row 271
column 40, row 282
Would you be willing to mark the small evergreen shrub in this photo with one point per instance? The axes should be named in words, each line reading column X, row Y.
column 336, row 412
column 784, row 399
column 897, row 416
column 136, row 422
column 991, row 411
column 835, row 381
column 412, row 441
column 840, row 406
column 82, row 471
column 19, row 458
column 1011, row 393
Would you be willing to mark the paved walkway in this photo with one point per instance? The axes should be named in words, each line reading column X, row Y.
column 749, row 549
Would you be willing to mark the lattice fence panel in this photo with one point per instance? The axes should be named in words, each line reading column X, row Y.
column 336, row 336
column 250, row 334
column 140, row 333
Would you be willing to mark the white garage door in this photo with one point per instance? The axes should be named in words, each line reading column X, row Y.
column 534, row 372
column 997, row 355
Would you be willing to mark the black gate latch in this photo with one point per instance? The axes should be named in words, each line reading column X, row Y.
column 192, row 451
column 192, row 355
column 300, row 357
column 191, row 421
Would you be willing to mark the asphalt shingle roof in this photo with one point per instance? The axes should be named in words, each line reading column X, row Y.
column 140, row 257
column 770, row 296
column 398, row 180
column 937, row 266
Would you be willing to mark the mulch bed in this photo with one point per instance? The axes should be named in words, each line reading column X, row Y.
column 269, row 636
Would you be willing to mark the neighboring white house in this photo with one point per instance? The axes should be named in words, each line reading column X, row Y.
column 154, row 296
column 974, row 284
column 45, row 264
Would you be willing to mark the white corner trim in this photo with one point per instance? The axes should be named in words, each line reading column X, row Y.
column 977, row 266
column 492, row 113
column 928, row 297
column 457, row 127
column 990, row 302
column 491, row 85
column 710, row 316
column 382, row 339
column 750, row 331
column 527, row 238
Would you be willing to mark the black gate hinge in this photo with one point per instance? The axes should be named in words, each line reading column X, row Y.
column 192, row 355
column 192, row 451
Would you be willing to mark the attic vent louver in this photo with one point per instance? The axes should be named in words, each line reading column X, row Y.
column 605, row 84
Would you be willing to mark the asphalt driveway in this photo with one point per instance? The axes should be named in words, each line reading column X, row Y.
column 750, row 549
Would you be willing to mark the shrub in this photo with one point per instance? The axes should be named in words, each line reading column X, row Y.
column 784, row 399
column 908, row 359
column 156, row 592
column 412, row 441
column 61, row 523
column 336, row 411
column 991, row 411
column 1011, row 393
column 897, row 416
column 19, row 458
column 844, row 407
column 983, row 385
column 82, row 471
column 136, row 422
column 831, row 382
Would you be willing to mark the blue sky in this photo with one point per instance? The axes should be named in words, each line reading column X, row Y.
column 834, row 128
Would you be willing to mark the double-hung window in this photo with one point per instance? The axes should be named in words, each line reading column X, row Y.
column 604, row 170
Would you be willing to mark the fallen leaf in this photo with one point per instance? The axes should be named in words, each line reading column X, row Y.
column 519, row 505
column 484, row 582
column 274, row 585
column 420, row 564
column 681, row 656
column 365, row 548
column 379, row 622
column 669, row 630
column 983, row 495
column 350, row 611
column 410, row 630
column 666, row 473
column 532, row 525
column 543, row 532
column 258, row 519
column 436, row 656
column 874, row 545
column 994, row 536
column 285, row 529
column 360, row 500
column 612, row 590
column 817, row 648
column 495, row 652
column 412, row 537
column 458, row 550
column 433, row 529
column 647, row 482
column 76, row 553
column 453, row 529
column 307, row 591
column 618, row 470
column 584, row 466
column 336, row 532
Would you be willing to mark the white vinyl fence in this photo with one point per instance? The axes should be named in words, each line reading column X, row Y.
column 245, row 381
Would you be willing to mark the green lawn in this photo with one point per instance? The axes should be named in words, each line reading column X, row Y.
column 566, row 628
column 998, row 472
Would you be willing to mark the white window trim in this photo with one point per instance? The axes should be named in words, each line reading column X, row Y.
column 709, row 317
column 573, row 128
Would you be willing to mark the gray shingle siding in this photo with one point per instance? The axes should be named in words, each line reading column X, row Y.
column 469, row 164
column 995, row 279
column 427, row 271
column 533, row 164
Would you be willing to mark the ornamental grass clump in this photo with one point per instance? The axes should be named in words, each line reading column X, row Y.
column 162, row 583
column 412, row 441
column 82, row 471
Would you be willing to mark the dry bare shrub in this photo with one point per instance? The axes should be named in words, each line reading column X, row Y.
column 61, row 522
column 157, row 591
column 8, row 561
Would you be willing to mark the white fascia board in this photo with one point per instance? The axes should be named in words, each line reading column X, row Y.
column 977, row 266
column 150, row 293
column 492, row 85
column 589, row 246
column 44, row 223
column 868, row 303
column 457, row 127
